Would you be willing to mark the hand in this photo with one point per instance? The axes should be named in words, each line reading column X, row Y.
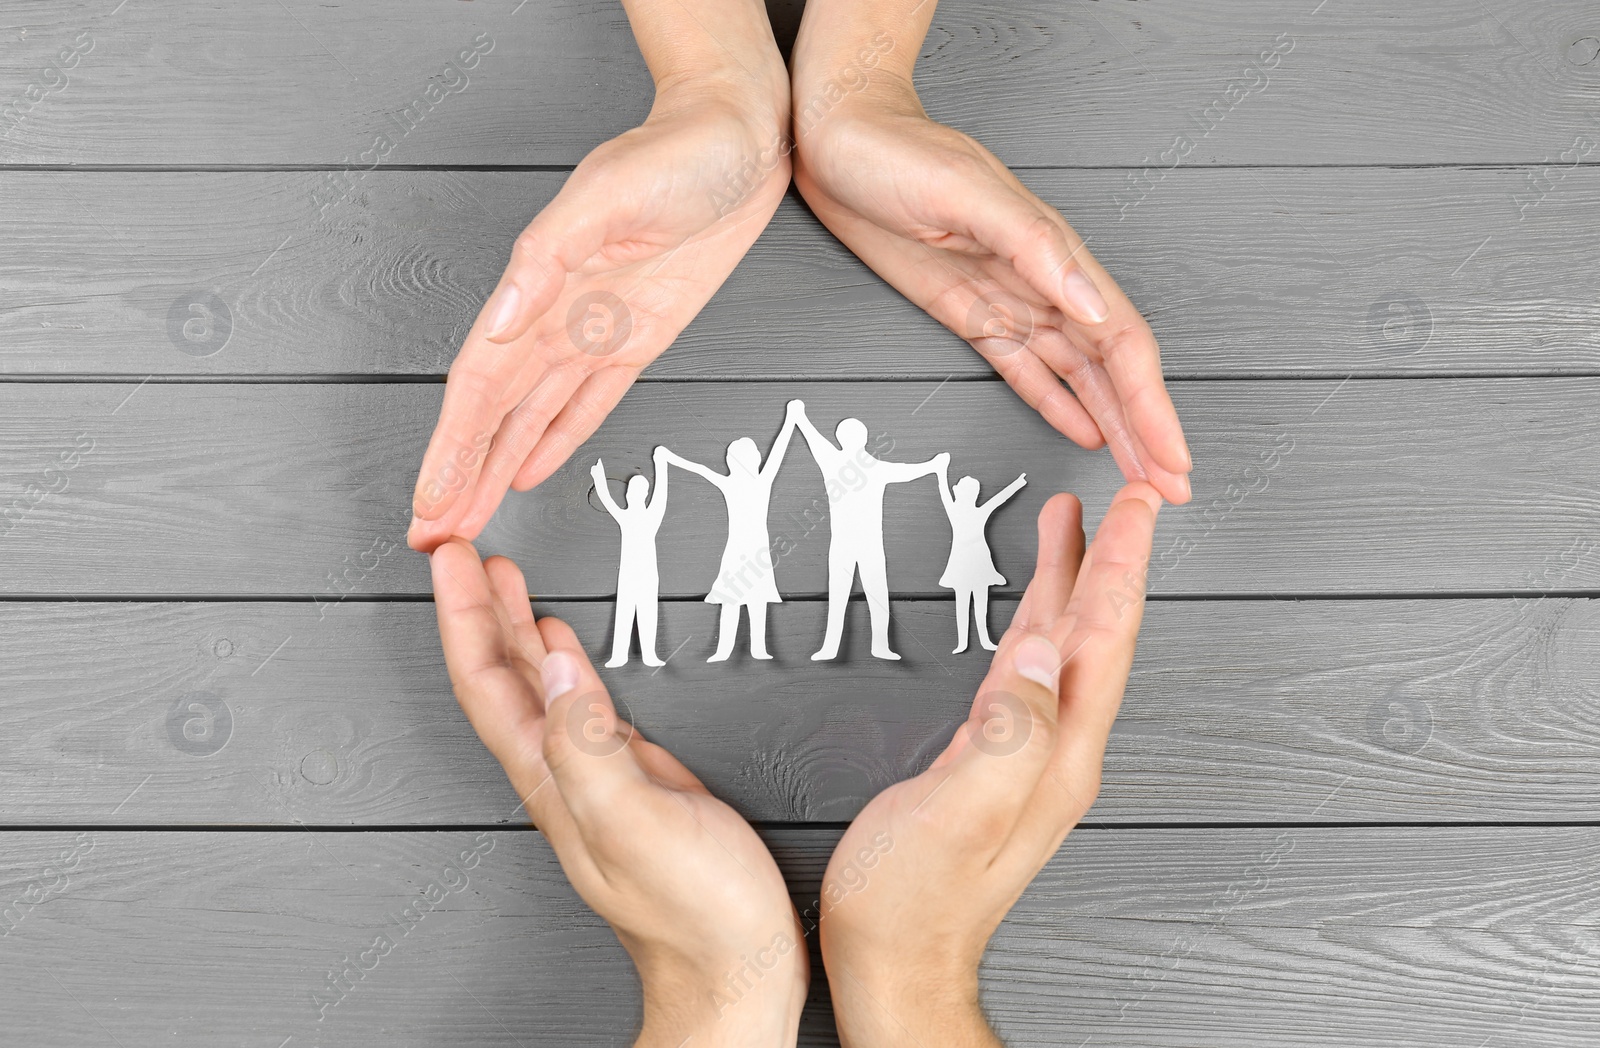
column 939, row 217
column 598, row 471
column 645, row 230
column 926, row 872
column 686, row 884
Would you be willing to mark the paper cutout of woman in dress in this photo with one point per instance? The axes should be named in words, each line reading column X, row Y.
column 970, row 570
column 746, row 578
column 638, row 575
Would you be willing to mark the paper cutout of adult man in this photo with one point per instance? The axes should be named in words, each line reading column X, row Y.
column 856, row 523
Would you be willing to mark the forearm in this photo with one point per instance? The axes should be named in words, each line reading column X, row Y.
column 721, row 45
column 856, row 49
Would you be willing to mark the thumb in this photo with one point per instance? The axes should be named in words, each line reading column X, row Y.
column 1005, row 745
column 567, row 233
column 1040, row 248
column 586, row 745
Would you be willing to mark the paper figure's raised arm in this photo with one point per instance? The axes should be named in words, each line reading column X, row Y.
column 820, row 445
column 602, row 487
column 902, row 471
column 780, row 447
column 673, row 458
column 944, row 486
column 658, row 497
column 1004, row 494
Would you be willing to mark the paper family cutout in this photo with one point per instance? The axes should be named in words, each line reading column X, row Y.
column 746, row 577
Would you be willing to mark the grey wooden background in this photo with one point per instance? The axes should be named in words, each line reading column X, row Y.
column 1352, row 799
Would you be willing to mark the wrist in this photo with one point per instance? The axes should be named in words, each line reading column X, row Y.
column 752, row 96
column 851, row 54
column 909, row 1011
column 756, row 999
column 737, row 64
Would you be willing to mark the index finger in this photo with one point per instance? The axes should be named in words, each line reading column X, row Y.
column 491, row 670
column 468, row 421
column 1133, row 360
column 1121, row 337
column 1098, row 632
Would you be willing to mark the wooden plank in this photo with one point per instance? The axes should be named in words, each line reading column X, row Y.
column 1237, row 712
column 1441, row 81
column 1304, row 487
column 1237, row 937
column 1305, row 271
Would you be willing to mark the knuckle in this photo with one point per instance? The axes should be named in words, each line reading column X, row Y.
column 980, row 831
column 1041, row 235
column 1091, row 791
column 527, row 246
column 467, row 377
column 601, row 161
column 1129, row 340
column 956, row 168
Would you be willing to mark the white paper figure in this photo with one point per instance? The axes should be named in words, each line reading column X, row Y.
column 638, row 576
column 746, row 578
column 970, row 570
column 856, row 481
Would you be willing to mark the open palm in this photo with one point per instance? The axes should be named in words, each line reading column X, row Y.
column 645, row 230
column 948, row 225
column 682, row 879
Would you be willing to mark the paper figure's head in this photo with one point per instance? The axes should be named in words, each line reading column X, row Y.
column 744, row 457
column 851, row 434
column 966, row 490
column 638, row 491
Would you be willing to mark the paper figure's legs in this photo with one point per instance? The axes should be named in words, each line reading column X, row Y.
column 841, row 572
column 758, row 631
column 647, row 632
column 727, row 633
column 875, row 583
column 622, row 632
column 963, row 598
column 980, row 615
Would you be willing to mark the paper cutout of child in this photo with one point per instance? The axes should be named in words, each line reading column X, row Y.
column 970, row 570
column 638, row 574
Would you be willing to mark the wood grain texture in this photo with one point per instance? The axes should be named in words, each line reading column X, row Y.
column 1433, row 937
column 1236, row 712
column 1304, row 487
column 1306, row 271
column 1442, row 81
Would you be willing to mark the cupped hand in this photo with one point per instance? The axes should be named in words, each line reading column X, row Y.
column 950, row 227
column 642, row 234
column 688, row 887
column 927, row 871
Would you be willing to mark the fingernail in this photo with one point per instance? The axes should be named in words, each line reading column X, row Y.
column 1084, row 298
column 1147, row 494
column 1188, row 459
column 1037, row 659
column 1183, row 485
column 560, row 674
column 502, row 310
